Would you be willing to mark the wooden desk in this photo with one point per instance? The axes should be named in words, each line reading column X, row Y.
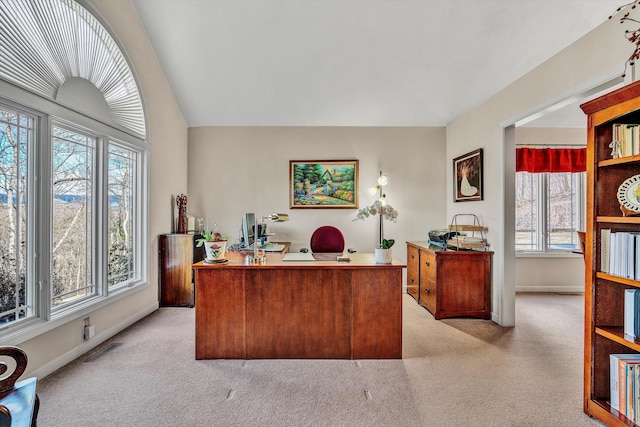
column 299, row 309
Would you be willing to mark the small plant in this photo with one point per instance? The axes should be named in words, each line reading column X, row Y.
column 208, row 236
column 387, row 243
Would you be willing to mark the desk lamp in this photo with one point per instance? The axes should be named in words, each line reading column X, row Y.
column 258, row 258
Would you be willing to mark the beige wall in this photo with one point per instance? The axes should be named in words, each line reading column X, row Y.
column 233, row 170
column 598, row 56
column 167, row 134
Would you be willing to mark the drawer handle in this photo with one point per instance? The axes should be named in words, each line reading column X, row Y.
column 427, row 263
column 412, row 256
column 426, row 291
column 412, row 280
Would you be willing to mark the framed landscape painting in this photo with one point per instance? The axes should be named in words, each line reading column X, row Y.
column 323, row 184
column 467, row 177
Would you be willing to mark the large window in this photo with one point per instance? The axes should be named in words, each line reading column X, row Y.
column 549, row 211
column 550, row 199
column 72, row 154
column 90, row 173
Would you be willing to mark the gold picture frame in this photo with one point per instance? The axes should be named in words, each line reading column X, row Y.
column 326, row 184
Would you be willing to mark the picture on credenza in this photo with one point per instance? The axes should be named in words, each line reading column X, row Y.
column 467, row 177
column 323, row 184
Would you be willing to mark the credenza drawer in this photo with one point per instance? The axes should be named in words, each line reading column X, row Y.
column 413, row 282
column 413, row 258
column 428, row 294
column 428, row 265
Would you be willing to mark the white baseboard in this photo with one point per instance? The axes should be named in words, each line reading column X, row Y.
column 553, row 289
column 78, row 351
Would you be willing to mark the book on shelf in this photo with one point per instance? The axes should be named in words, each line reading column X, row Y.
column 614, row 367
column 631, row 312
column 627, row 136
column 605, row 240
column 620, row 253
column 624, row 381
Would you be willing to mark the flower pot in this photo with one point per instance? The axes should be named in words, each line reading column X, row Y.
column 215, row 249
column 383, row 256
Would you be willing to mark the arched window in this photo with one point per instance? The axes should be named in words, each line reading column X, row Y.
column 72, row 154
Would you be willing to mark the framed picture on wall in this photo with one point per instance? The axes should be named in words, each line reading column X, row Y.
column 467, row 177
column 323, row 184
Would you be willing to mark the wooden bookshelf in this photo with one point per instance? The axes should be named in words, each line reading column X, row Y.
column 604, row 293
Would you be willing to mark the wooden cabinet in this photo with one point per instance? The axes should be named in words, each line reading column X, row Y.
column 604, row 292
column 450, row 283
column 177, row 253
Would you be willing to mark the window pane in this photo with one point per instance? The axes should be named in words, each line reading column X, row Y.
column 122, row 188
column 562, row 210
column 16, row 299
column 526, row 212
column 73, row 155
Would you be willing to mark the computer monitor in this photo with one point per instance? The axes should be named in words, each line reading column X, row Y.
column 248, row 225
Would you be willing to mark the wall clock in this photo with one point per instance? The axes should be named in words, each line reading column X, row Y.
column 629, row 196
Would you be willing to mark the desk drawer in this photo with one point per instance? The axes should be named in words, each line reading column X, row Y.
column 428, row 265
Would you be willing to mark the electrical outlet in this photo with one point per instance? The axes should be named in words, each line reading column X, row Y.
column 88, row 330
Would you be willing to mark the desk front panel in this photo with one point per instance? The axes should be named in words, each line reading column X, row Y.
column 312, row 310
column 298, row 314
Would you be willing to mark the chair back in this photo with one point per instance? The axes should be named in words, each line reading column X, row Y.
column 582, row 239
column 327, row 239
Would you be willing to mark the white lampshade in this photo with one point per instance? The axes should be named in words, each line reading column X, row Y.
column 383, row 179
column 373, row 190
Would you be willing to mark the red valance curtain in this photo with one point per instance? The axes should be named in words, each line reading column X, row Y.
column 551, row 160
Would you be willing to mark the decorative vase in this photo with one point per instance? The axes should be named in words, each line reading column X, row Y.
column 215, row 249
column 383, row 256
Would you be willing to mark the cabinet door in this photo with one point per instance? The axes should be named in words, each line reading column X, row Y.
column 175, row 273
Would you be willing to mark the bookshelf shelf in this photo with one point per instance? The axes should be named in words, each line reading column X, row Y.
column 615, row 333
column 618, row 219
column 619, row 161
column 618, row 279
column 604, row 293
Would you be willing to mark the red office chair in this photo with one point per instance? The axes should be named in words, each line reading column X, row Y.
column 327, row 239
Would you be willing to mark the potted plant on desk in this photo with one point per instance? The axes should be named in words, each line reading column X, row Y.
column 215, row 246
column 383, row 253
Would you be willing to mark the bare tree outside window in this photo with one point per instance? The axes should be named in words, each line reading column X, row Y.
column 549, row 209
column 122, row 172
column 73, row 164
column 16, row 133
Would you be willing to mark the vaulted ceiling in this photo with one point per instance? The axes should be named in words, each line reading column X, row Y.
column 353, row 62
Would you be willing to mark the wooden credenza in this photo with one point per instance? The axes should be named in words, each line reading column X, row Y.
column 299, row 309
column 449, row 283
column 177, row 253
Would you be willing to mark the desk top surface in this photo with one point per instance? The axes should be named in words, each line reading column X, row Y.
column 275, row 260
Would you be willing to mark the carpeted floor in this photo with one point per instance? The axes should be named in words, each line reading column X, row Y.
column 454, row 372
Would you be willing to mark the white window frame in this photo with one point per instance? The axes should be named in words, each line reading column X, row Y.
column 542, row 226
column 45, row 318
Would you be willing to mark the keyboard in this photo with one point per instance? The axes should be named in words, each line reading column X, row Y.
column 267, row 247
